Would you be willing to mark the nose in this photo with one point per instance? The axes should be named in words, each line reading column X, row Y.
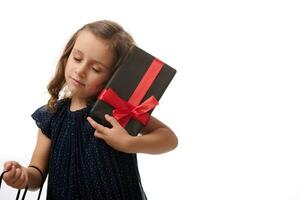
column 81, row 70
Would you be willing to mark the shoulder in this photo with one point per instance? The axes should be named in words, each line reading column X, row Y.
column 46, row 110
column 45, row 117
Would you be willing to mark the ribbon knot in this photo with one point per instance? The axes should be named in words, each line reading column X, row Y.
column 124, row 110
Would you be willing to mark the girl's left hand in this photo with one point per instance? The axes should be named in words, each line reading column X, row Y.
column 117, row 137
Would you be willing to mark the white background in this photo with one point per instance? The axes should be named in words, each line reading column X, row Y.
column 235, row 103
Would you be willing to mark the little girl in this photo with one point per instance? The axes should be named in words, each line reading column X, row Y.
column 84, row 159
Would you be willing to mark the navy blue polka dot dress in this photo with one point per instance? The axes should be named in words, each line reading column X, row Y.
column 81, row 166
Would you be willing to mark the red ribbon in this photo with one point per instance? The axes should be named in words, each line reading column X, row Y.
column 124, row 110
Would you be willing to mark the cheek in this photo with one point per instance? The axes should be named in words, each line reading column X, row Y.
column 67, row 69
column 96, row 84
column 94, row 88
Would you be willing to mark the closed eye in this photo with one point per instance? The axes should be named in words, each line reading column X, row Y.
column 96, row 70
column 76, row 59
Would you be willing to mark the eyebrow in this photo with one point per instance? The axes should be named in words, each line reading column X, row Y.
column 92, row 60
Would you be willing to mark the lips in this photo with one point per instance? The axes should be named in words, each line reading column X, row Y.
column 78, row 82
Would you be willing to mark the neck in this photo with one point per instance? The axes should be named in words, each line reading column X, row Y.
column 77, row 103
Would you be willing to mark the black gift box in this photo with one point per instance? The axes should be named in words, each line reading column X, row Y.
column 125, row 82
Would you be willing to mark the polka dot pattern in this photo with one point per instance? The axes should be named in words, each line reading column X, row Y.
column 81, row 166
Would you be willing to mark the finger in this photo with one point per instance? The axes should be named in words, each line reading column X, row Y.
column 11, row 167
column 19, row 185
column 21, row 182
column 97, row 126
column 7, row 165
column 8, row 176
column 11, row 173
column 112, row 120
column 17, row 176
column 16, row 164
column 99, row 135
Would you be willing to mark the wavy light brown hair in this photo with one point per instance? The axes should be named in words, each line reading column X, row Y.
column 121, row 42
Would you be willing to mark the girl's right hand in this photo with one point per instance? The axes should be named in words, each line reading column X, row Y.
column 16, row 175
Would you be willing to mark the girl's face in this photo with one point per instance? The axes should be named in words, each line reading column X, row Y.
column 88, row 66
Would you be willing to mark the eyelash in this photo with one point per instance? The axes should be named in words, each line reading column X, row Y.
column 78, row 60
column 96, row 70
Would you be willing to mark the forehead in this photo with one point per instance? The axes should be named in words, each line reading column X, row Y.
column 94, row 47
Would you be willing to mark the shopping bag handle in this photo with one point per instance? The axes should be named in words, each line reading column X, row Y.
column 43, row 179
column 25, row 189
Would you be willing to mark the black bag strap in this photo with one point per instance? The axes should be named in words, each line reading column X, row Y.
column 2, row 174
column 43, row 179
column 24, row 193
column 25, row 190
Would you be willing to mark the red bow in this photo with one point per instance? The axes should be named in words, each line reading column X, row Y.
column 124, row 110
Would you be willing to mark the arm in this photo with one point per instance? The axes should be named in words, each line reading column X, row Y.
column 155, row 138
column 19, row 177
column 39, row 159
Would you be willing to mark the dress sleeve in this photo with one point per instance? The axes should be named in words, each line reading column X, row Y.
column 43, row 117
